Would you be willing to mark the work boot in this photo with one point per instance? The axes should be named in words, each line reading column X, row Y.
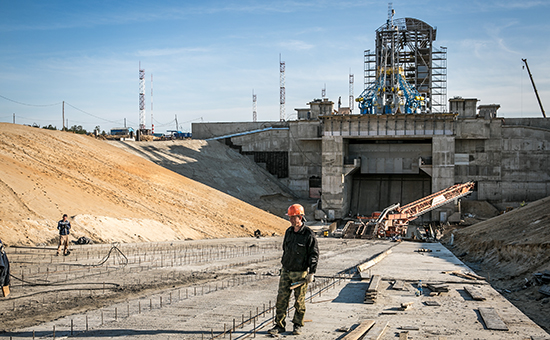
column 276, row 330
column 297, row 330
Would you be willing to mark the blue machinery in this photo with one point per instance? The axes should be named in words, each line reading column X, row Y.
column 390, row 94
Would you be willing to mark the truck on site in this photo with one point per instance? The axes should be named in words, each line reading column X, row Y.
column 393, row 221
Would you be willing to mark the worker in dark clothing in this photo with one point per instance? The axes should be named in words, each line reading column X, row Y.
column 4, row 271
column 63, row 226
column 300, row 257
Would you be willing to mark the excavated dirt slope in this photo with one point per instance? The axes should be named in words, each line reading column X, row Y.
column 109, row 194
column 508, row 250
column 222, row 168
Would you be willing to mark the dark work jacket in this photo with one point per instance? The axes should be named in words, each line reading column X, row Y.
column 300, row 250
column 4, row 267
column 64, row 227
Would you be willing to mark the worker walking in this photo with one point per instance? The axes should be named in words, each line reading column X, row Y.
column 300, row 257
column 63, row 226
column 4, row 271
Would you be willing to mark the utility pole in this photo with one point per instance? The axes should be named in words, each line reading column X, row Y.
column 176, row 122
column 14, row 118
column 535, row 88
column 63, row 114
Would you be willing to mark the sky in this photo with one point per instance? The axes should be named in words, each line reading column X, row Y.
column 208, row 57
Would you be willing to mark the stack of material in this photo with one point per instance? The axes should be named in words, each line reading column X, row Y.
column 437, row 289
column 370, row 295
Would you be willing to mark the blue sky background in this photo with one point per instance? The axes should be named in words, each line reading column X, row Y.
column 206, row 57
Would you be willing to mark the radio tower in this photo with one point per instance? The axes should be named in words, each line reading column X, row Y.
column 141, row 98
column 254, row 114
column 350, row 92
column 282, row 89
column 152, row 123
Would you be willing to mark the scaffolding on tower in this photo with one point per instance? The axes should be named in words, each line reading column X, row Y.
column 405, row 74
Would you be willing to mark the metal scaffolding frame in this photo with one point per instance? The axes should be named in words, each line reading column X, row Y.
column 423, row 65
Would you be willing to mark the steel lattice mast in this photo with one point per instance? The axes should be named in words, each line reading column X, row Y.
column 351, row 98
column 282, row 89
column 254, row 114
column 141, row 98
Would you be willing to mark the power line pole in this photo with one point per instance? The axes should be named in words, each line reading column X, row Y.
column 14, row 118
column 63, row 113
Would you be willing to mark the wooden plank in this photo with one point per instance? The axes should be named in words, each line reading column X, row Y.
column 358, row 331
column 431, row 303
column 376, row 332
column 399, row 285
column 368, row 264
column 404, row 335
column 492, row 319
column 374, row 282
column 474, row 293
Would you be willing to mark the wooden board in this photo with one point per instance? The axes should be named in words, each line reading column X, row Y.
column 492, row 319
column 404, row 335
column 358, row 331
column 376, row 332
column 431, row 303
column 474, row 293
column 374, row 282
column 399, row 285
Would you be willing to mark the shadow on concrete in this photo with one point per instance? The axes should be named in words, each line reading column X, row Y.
column 353, row 292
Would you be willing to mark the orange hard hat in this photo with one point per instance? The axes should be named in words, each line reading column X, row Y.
column 295, row 210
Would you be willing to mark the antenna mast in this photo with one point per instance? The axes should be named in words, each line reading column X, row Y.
column 282, row 89
column 152, row 123
column 141, row 98
column 350, row 92
column 254, row 114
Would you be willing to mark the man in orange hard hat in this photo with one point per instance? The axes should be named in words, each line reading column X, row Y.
column 300, row 257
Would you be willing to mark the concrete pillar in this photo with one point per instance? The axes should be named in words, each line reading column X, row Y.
column 443, row 166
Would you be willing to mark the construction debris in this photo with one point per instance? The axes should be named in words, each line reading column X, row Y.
column 406, row 305
column 358, row 331
column 431, row 303
column 492, row 319
column 545, row 290
column 376, row 332
column 469, row 276
column 474, row 293
column 372, row 290
column 364, row 266
column 398, row 285
column 438, row 288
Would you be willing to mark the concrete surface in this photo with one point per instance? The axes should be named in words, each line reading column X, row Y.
column 191, row 316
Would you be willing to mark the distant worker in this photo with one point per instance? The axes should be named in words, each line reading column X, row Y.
column 300, row 257
column 4, row 271
column 64, row 225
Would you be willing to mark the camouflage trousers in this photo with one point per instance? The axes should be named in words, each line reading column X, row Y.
column 283, row 297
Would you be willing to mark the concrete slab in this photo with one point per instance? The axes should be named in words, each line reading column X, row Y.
column 202, row 314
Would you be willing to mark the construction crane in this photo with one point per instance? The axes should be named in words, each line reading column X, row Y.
column 534, row 87
column 394, row 220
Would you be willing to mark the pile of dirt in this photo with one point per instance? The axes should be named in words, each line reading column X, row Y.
column 509, row 249
column 109, row 194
